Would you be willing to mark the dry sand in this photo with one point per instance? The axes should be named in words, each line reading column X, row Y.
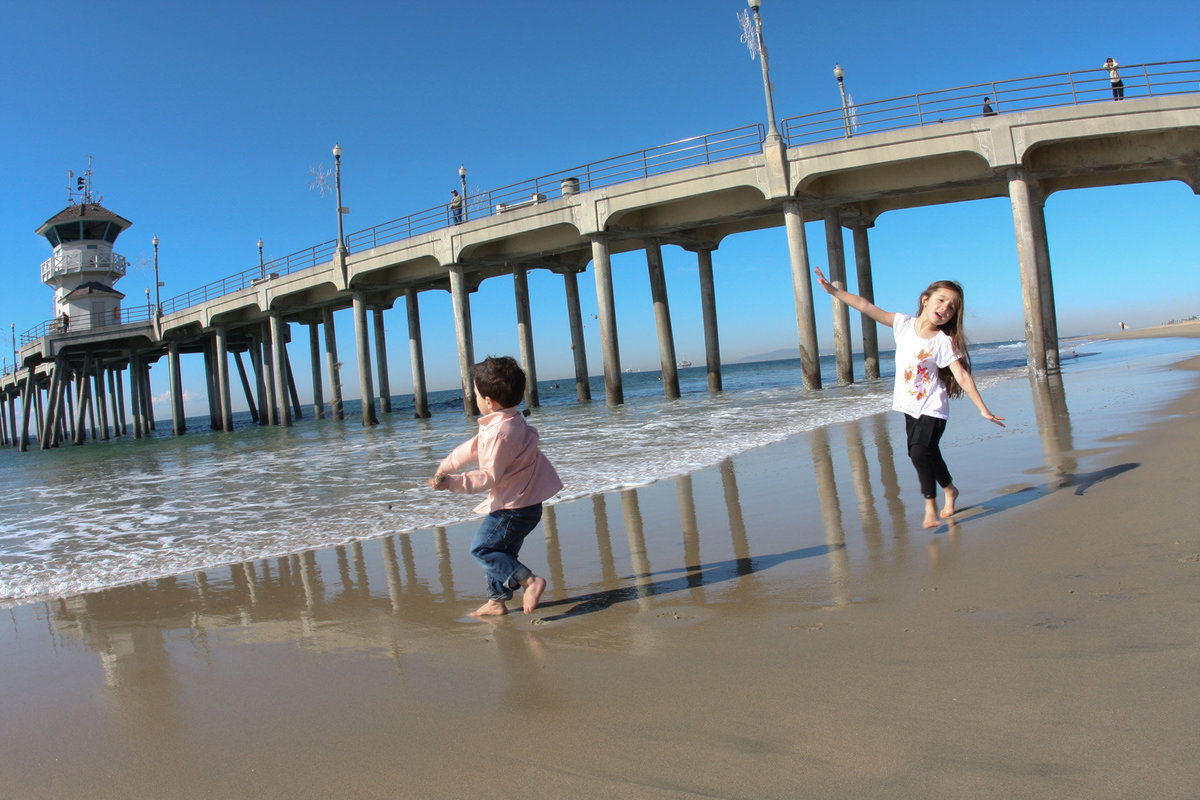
column 778, row 626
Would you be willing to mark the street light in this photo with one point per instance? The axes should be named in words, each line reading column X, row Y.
column 337, row 180
column 772, row 131
column 840, row 74
column 262, row 269
column 462, row 178
column 14, row 335
column 157, row 282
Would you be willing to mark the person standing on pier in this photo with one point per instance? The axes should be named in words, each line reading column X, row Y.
column 932, row 366
column 517, row 477
column 456, row 206
column 1114, row 78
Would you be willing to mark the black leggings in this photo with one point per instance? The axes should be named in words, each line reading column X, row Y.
column 924, row 434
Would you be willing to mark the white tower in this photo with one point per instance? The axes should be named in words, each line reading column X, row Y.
column 84, row 267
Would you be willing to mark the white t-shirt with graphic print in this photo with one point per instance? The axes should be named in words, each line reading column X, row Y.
column 919, row 391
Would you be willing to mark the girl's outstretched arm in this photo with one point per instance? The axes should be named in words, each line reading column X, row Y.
column 968, row 384
column 855, row 301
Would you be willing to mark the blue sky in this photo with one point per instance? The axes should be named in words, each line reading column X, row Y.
column 204, row 120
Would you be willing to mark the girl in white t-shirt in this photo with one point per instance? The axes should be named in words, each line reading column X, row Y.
column 932, row 366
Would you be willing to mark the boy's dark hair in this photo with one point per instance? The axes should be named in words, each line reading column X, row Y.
column 500, row 378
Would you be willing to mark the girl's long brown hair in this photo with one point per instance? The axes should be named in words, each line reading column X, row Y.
column 953, row 329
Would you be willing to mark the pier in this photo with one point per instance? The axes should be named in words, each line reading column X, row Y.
column 1052, row 133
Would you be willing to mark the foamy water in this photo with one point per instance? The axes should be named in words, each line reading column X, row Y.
column 82, row 518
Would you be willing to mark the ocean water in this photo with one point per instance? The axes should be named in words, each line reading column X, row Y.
column 78, row 519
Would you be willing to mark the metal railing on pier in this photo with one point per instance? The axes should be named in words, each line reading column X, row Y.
column 966, row 102
column 130, row 315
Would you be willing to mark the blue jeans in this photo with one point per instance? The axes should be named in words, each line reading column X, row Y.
column 497, row 543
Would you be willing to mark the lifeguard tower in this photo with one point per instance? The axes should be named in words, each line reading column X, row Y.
column 84, row 267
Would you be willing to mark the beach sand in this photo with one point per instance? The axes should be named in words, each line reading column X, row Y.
column 776, row 626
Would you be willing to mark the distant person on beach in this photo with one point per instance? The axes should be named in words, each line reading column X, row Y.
column 517, row 477
column 1114, row 78
column 988, row 111
column 932, row 366
column 456, row 206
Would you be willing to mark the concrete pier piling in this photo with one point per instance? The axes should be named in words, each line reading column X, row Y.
column 583, row 386
column 280, row 400
column 332, row 365
column 841, row 312
column 806, row 320
column 606, row 306
column 461, row 300
column 525, row 335
column 363, row 348
column 662, row 320
column 416, row 355
column 314, row 354
column 866, row 288
column 381, row 366
column 708, row 311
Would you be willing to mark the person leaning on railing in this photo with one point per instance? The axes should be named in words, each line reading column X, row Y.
column 1114, row 78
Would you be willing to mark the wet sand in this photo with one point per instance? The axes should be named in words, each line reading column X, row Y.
column 779, row 625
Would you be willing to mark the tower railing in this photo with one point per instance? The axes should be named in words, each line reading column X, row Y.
column 69, row 261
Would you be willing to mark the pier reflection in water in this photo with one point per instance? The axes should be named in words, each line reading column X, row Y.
column 692, row 543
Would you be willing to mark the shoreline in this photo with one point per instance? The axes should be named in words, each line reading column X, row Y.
column 778, row 625
column 1186, row 329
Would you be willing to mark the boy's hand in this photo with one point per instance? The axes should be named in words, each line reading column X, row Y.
column 438, row 481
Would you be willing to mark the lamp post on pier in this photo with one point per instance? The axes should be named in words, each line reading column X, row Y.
column 262, row 268
column 157, row 282
column 772, row 130
column 14, row 337
column 462, row 179
column 337, row 183
column 840, row 74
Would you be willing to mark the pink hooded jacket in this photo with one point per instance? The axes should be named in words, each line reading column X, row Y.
column 511, row 470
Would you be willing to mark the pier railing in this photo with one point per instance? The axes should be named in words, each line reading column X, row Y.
column 925, row 108
column 1004, row 97
column 82, row 323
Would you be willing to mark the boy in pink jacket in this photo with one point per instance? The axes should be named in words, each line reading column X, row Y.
column 514, row 473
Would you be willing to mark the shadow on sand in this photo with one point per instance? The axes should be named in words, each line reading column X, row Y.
column 691, row 577
column 1082, row 482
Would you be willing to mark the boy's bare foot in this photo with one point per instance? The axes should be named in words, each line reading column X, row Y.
column 533, row 593
column 492, row 608
column 951, row 496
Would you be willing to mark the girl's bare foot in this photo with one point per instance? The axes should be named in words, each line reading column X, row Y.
column 951, row 496
column 492, row 608
column 533, row 593
column 931, row 514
